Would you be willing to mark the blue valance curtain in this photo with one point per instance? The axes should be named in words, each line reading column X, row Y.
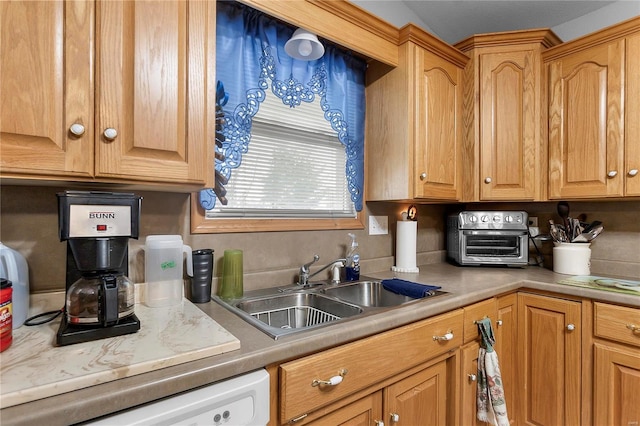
column 250, row 60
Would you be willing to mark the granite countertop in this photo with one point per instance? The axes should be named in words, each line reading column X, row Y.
column 465, row 285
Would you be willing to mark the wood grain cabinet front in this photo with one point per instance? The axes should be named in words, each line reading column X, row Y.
column 318, row 380
column 549, row 344
column 413, row 113
column 504, row 151
column 594, row 135
column 143, row 118
column 616, row 361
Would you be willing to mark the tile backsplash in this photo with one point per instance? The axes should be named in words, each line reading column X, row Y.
column 29, row 224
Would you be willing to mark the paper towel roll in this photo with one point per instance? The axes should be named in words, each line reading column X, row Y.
column 406, row 239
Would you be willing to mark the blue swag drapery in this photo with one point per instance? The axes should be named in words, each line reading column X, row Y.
column 251, row 60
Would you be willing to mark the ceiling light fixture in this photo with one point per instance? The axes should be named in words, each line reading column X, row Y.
column 304, row 46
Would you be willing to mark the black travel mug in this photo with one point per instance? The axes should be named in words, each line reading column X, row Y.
column 202, row 275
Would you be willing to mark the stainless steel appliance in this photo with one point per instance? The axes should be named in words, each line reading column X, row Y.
column 100, row 298
column 488, row 238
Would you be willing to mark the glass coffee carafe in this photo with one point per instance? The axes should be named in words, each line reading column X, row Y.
column 90, row 299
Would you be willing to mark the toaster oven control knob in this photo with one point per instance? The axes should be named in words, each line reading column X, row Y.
column 496, row 219
column 473, row 219
column 484, row 218
column 508, row 219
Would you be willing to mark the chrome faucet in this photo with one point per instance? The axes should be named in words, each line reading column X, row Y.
column 304, row 277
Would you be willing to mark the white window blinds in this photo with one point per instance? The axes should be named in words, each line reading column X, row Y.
column 295, row 167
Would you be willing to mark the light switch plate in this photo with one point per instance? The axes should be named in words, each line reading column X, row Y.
column 378, row 225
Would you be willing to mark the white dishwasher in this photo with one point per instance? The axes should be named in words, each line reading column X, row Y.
column 238, row 401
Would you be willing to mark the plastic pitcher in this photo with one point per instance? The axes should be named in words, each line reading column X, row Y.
column 163, row 269
column 13, row 266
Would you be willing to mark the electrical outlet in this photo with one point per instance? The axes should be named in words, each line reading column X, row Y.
column 378, row 225
column 533, row 221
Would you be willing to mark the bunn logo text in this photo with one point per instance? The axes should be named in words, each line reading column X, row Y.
column 102, row 215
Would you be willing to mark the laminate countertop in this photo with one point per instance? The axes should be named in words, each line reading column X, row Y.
column 465, row 285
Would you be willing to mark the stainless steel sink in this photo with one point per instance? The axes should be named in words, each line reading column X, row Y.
column 281, row 314
column 281, row 311
column 367, row 293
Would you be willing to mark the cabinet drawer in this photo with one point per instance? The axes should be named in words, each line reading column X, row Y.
column 617, row 323
column 366, row 363
column 476, row 312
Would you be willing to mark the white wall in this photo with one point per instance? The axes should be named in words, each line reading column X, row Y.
column 398, row 14
column 601, row 18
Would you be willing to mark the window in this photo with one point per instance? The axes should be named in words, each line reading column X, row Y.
column 295, row 167
column 293, row 150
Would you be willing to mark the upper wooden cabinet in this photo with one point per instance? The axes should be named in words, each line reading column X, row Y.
column 504, row 152
column 147, row 122
column 47, row 86
column 594, row 109
column 413, row 114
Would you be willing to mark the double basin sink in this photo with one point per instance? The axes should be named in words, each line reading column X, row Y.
column 281, row 311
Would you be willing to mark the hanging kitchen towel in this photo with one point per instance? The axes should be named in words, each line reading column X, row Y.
column 492, row 407
column 408, row 288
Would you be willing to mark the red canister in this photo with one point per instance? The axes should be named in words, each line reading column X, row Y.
column 6, row 314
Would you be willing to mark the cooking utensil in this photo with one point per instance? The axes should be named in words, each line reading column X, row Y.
column 592, row 225
column 563, row 212
column 557, row 232
column 588, row 236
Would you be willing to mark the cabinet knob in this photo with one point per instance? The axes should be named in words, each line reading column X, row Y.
column 633, row 172
column 445, row 338
column 395, row 417
column 110, row 133
column 612, row 173
column 423, row 176
column 634, row 328
column 487, row 180
column 472, row 377
column 77, row 129
column 379, row 422
column 333, row 381
column 499, row 322
column 571, row 327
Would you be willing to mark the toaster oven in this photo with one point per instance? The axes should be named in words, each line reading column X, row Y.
column 488, row 238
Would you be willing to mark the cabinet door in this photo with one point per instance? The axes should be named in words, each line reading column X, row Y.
column 47, row 85
column 506, row 332
column 153, row 63
column 509, row 127
column 469, row 385
column 550, row 359
column 364, row 412
column 586, row 128
column 438, row 132
column 420, row 399
column 632, row 120
column 616, row 385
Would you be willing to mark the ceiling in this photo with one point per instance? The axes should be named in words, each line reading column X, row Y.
column 454, row 21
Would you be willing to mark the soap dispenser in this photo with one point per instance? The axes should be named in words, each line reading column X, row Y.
column 353, row 260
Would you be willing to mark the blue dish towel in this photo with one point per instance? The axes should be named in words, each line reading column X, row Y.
column 408, row 288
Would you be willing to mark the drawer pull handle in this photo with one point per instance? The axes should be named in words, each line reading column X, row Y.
column 297, row 419
column 634, row 328
column 334, row 381
column 445, row 338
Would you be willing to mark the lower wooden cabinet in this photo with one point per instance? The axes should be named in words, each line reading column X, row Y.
column 552, row 352
column 616, row 365
column 366, row 411
column 549, row 341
